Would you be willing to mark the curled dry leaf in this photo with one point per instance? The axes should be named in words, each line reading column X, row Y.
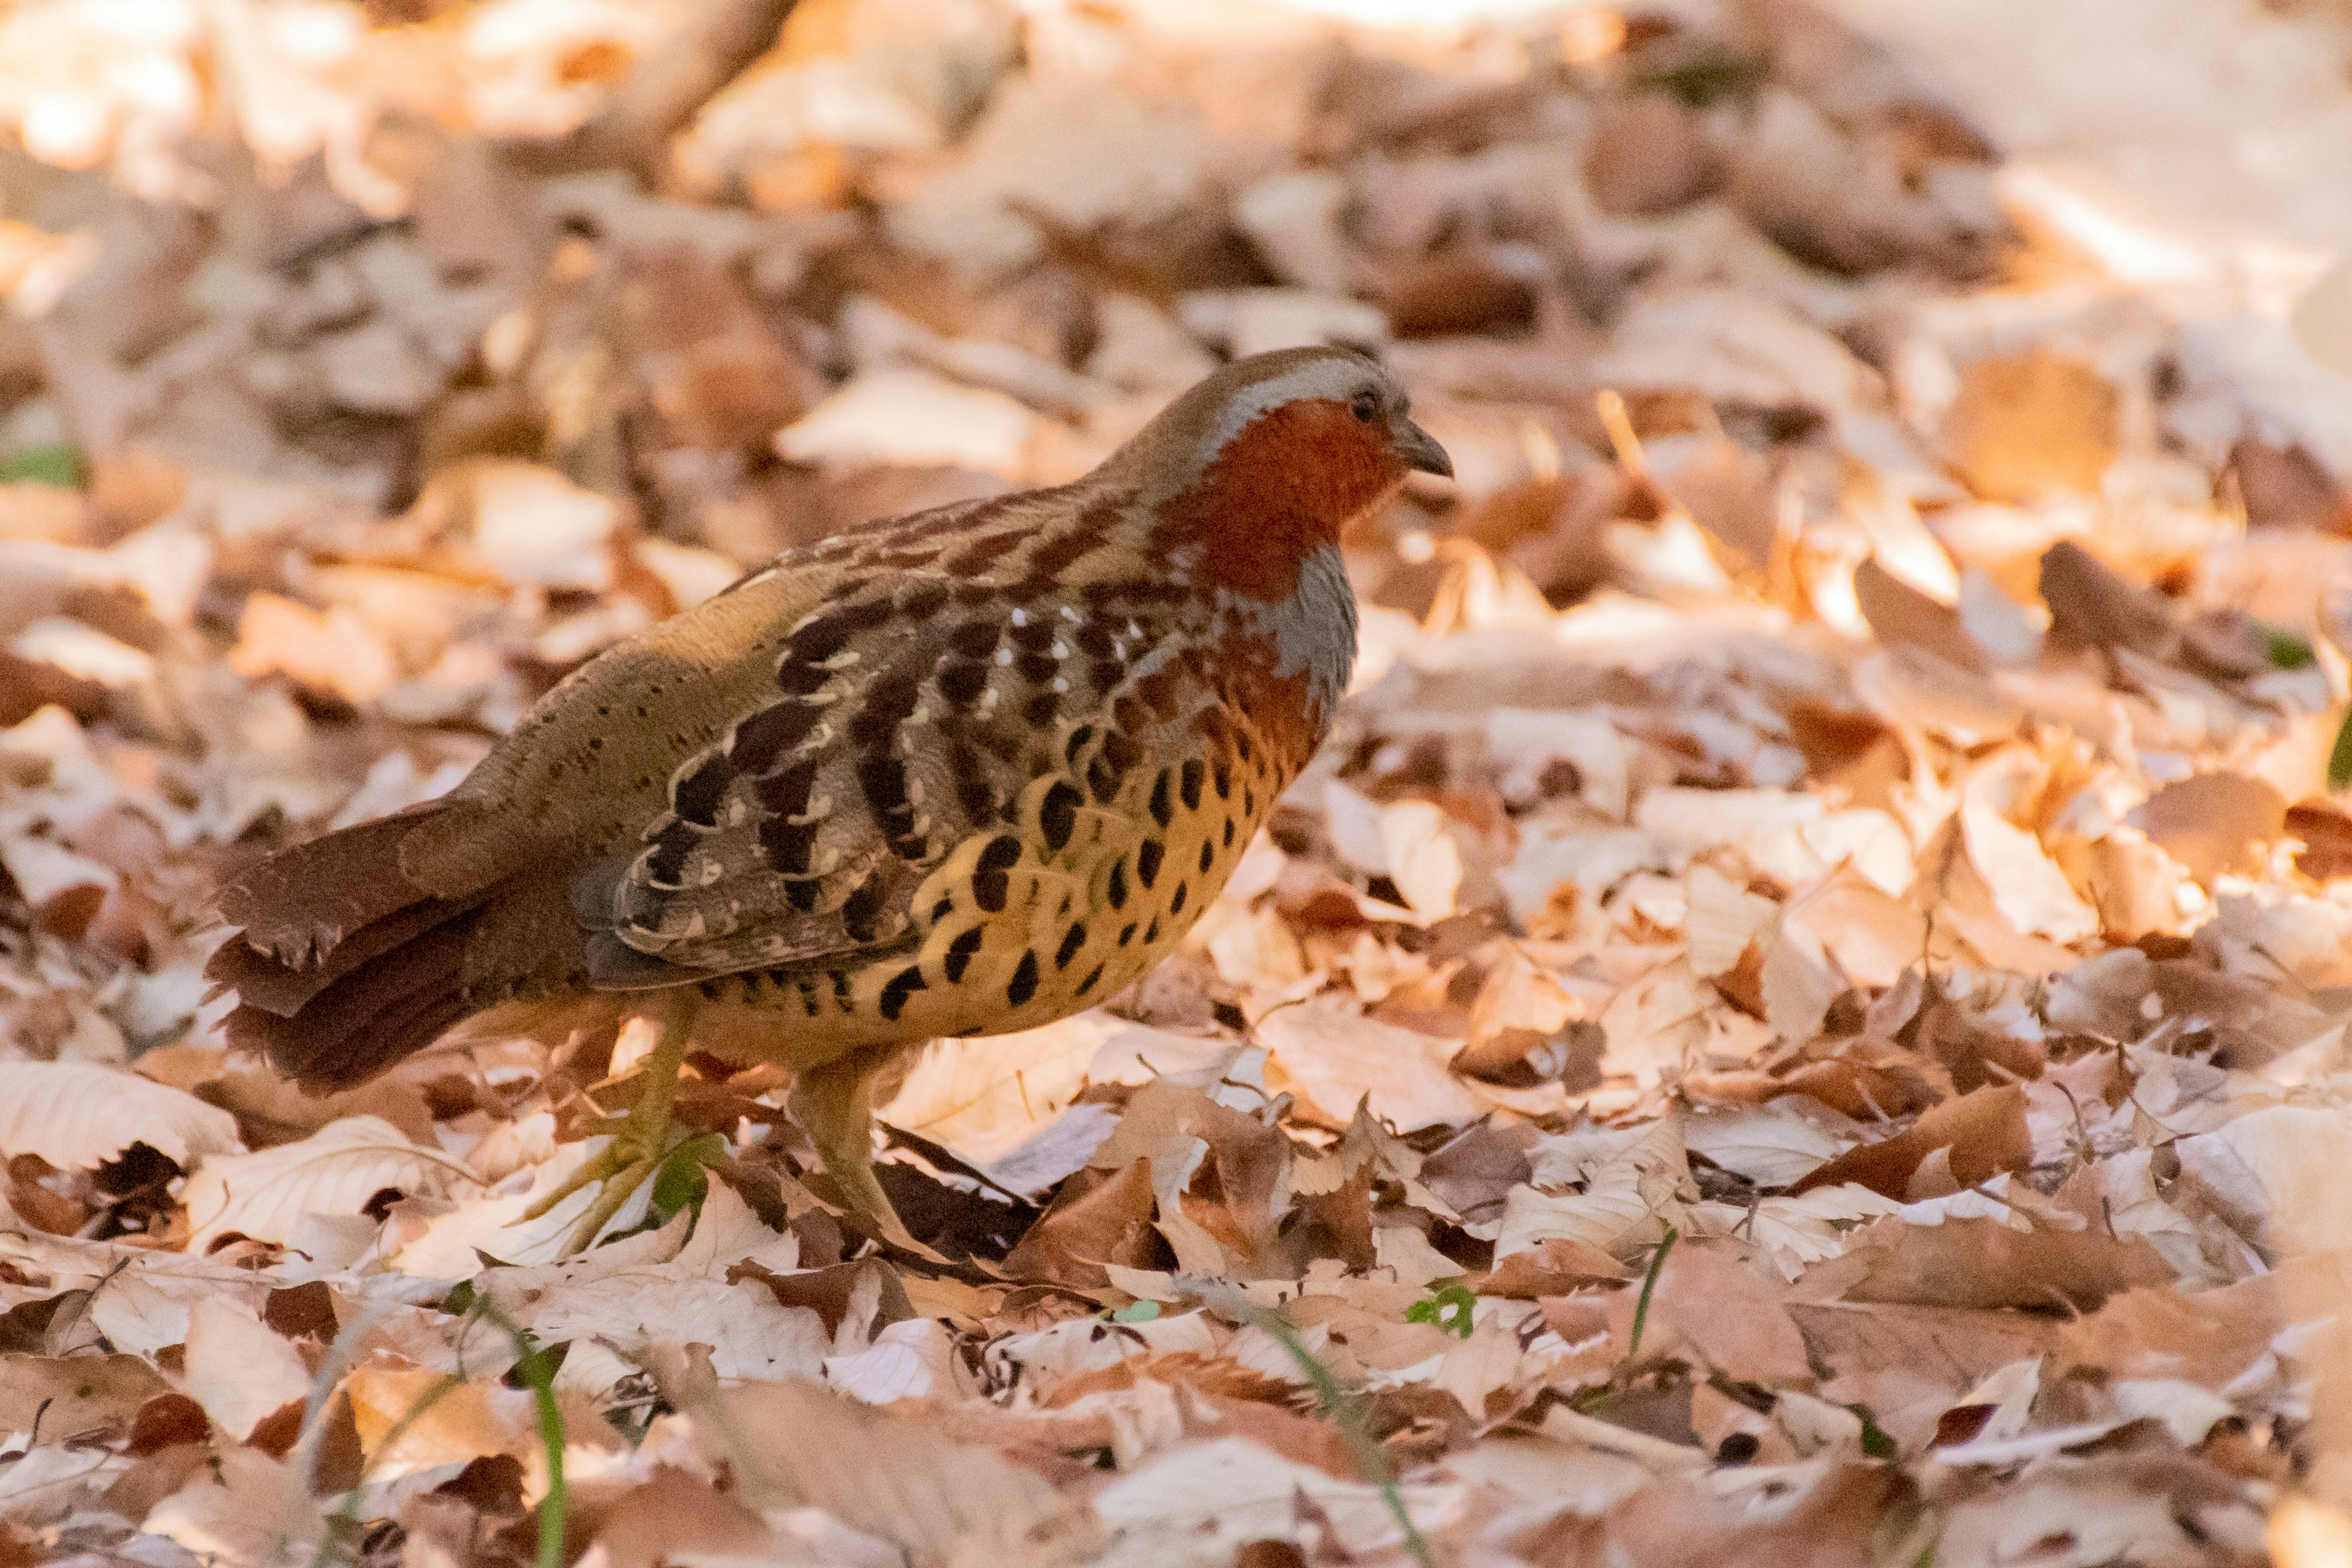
column 1629, row 1198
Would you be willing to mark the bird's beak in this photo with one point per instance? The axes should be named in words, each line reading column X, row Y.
column 1419, row 450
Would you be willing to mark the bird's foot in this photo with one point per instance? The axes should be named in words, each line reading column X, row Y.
column 637, row 1145
column 833, row 1104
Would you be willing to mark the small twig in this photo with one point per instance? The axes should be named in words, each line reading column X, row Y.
column 1649, row 1284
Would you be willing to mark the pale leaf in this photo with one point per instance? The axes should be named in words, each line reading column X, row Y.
column 982, row 1097
column 1422, row 860
column 245, row 1509
column 2027, row 887
column 336, row 1170
column 78, row 1115
column 237, row 1367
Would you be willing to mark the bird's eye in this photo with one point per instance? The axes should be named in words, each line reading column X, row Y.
column 1367, row 404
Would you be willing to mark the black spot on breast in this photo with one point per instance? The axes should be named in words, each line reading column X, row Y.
column 1088, row 983
column 1188, row 785
column 887, row 703
column 1146, row 860
column 1176, row 904
column 1208, row 855
column 1163, row 810
column 1116, row 892
column 1222, row 777
column 1122, row 750
column 1229, row 833
column 861, row 913
column 942, row 909
column 697, row 796
column 671, row 845
column 1023, row 985
column 1242, row 744
column 768, row 734
column 1249, row 802
column 903, row 985
column 1104, row 780
column 973, row 639
column 1126, row 933
column 990, row 885
column 1058, row 815
column 960, row 953
column 962, row 682
column 1072, row 939
column 1151, row 932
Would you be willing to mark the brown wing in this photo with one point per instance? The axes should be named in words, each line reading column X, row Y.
column 908, row 729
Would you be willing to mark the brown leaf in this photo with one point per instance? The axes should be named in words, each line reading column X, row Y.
column 877, row 1472
column 1095, row 1218
column 1827, row 1518
column 2212, row 823
column 2327, row 836
column 1986, row 1263
column 2092, row 606
column 1899, row 613
column 2032, row 423
column 1710, row 1306
column 1649, row 153
column 1984, row 1129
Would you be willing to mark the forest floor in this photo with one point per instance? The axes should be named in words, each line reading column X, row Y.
column 1800, row 1020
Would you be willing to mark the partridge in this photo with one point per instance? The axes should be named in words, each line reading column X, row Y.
column 961, row 772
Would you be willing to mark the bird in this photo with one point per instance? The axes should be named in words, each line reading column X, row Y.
column 960, row 772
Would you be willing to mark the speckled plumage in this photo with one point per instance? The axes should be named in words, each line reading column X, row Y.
column 964, row 771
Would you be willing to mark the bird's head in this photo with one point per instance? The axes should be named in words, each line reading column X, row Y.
column 1265, row 461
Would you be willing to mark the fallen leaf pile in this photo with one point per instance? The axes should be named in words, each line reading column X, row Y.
column 1800, row 1018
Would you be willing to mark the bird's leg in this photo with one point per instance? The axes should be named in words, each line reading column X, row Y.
column 638, row 1140
column 835, row 1106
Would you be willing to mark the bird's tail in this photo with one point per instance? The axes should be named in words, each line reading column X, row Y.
column 344, row 965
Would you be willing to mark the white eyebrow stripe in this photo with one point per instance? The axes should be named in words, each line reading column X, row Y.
column 1335, row 378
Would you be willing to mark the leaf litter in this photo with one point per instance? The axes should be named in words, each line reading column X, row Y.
column 1800, row 1018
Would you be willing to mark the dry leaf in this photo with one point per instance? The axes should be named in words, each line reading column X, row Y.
column 336, row 1170
column 76, row 1115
